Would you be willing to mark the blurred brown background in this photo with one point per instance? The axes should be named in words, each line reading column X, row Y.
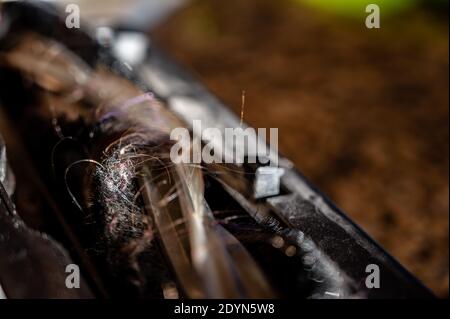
column 362, row 113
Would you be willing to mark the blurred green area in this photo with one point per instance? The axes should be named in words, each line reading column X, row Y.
column 357, row 8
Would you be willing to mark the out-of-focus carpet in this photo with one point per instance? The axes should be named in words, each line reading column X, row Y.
column 362, row 113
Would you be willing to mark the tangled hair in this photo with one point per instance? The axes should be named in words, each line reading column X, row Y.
column 125, row 231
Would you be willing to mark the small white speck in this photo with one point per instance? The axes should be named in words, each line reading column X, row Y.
column 2, row 293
